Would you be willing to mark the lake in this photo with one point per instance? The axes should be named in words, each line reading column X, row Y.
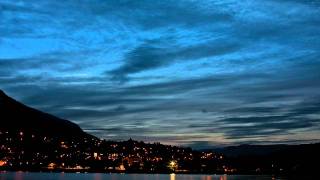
column 101, row 176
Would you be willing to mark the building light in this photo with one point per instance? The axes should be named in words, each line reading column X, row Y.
column 120, row 168
column 2, row 163
column 172, row 163
column 51, row 166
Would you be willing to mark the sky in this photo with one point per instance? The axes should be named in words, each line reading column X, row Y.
column 205, row 73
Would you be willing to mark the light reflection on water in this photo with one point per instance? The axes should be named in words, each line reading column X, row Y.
column 101, row 176
column 172, row 177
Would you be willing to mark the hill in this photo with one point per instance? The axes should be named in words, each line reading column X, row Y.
column 17, row 116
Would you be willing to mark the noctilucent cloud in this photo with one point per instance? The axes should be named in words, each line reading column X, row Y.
column 191, row 73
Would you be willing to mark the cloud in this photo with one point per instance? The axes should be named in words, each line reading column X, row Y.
column 152, row 55
column 196, row 73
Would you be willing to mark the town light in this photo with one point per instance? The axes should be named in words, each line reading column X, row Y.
column 172, row 163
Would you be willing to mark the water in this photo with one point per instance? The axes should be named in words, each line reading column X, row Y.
column 101, row 176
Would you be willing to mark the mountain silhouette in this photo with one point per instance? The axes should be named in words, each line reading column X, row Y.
column 17, row 116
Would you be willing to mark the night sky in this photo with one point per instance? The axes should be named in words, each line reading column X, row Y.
column 192, row 73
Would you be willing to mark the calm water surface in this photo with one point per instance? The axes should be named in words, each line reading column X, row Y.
column 100, row 176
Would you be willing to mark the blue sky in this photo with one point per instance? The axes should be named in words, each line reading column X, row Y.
column 193, row 73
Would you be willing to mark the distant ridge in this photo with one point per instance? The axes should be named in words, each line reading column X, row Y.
column 17, row 116
column 264, row 150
